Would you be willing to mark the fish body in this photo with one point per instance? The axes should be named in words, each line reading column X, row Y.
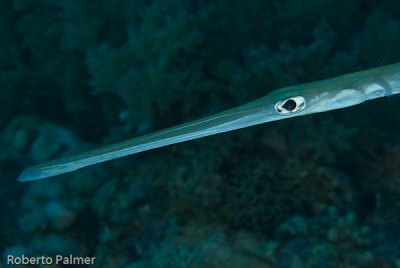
column 298, row 100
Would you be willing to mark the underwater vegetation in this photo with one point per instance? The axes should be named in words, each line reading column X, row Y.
column 316, row 191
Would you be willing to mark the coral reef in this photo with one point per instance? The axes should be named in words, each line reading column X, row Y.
column 315, row 191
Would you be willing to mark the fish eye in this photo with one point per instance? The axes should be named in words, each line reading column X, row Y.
column 290, row 105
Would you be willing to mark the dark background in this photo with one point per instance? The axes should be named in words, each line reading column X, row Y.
column 321, row 190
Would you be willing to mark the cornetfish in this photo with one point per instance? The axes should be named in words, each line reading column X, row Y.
column 314, row 97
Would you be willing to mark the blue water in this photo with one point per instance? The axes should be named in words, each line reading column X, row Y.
column 315, row 191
